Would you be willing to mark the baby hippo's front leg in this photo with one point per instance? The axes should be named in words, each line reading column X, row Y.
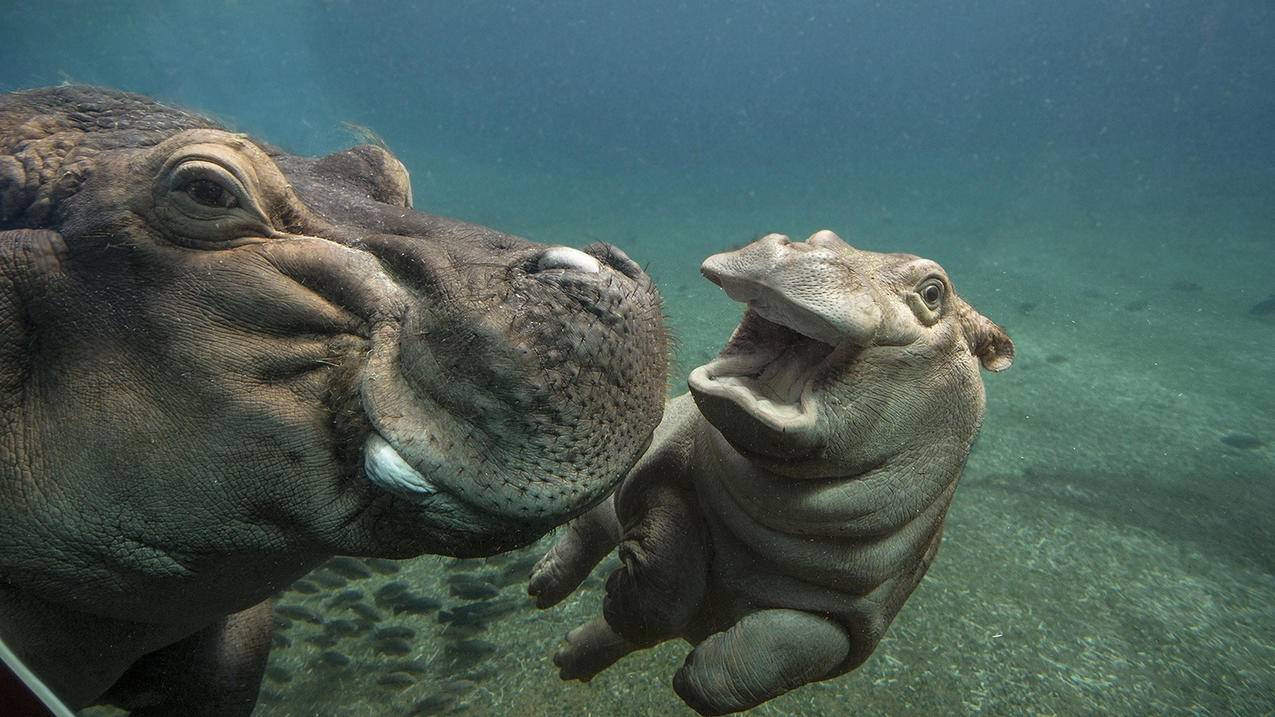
column 653, row 594
column 762, row 656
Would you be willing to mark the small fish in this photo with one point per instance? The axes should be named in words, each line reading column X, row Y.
column 471, row 588
column 1264, row 308
column 342, row 628
column 320, row 640
column 280, row 640
column 348, row 567
column 328, row 580
column 457, row 631
column 305, row 587
column 367, row 612
column 346, row 597
column 383, row 566
column 469, row 647
column 334, row 658
column 1242, row 441
column 396, row 680
column 393, row 646
column 280, row 622
column 390, row 592
column 416, row 605
column 518, row 571
column 297, row 612
column 479, row 612
column 394, row 631
column 467, row 653
column 433, row 705
column 457, row 686
column 274, row 673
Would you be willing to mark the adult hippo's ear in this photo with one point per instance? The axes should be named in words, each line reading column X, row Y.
column 987, row 341
column 31, row 262
column 371, row 170
column 15, row 194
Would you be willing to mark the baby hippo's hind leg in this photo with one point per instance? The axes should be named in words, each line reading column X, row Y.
column 583, row 544
column 759, row 658
column 590, row 649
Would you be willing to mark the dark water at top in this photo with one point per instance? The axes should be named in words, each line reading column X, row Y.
column 1099, row 177
column 614, row 87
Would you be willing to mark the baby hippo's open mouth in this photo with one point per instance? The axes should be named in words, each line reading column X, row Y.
column 767, row 370
column 805, row 313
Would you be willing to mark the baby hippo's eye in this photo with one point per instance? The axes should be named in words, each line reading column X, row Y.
column 931, row 291
column 210, row 194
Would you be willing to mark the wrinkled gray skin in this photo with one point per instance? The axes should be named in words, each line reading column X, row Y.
column 221, row 364
column 793, row 500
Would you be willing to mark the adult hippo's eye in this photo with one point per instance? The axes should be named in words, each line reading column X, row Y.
column 219, row 193
column 931, row 291
column 207, row 197
column 210, row 194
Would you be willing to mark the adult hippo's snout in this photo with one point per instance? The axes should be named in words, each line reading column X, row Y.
column 510, row 393
column 506, row 385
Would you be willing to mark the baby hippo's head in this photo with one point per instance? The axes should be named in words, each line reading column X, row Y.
column 845, row 360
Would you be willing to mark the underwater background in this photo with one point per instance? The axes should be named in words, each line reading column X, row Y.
column 1098, row 177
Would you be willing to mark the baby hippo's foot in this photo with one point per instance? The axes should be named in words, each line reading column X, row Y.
column 557, row 574
column 590, row 649
column 759, row 658
column 584, row 542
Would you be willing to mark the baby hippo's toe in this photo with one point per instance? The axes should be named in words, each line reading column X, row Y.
column 548, row 584
column 590, row 649
column 584, row 542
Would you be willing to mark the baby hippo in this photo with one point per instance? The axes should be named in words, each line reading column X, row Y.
column 792, row 501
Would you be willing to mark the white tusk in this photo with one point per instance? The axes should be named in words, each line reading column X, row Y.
column 386, row 468
column 564, row 257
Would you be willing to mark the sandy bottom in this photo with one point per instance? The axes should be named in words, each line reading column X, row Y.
column 1110, row 550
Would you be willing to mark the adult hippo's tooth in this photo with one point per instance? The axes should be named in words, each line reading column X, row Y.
column 386, row 468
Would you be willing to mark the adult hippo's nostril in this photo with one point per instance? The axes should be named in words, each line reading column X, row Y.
column 564, row 257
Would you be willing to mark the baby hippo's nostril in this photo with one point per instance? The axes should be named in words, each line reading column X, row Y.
column 824, row 237
column 564, row 257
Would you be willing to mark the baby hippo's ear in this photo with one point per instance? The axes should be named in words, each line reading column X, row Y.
column 987, row 341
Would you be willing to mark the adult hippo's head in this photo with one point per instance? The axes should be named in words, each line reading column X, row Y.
column 213, row 350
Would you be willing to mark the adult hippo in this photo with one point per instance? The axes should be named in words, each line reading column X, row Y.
column 221, row 364
column 791, row 503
